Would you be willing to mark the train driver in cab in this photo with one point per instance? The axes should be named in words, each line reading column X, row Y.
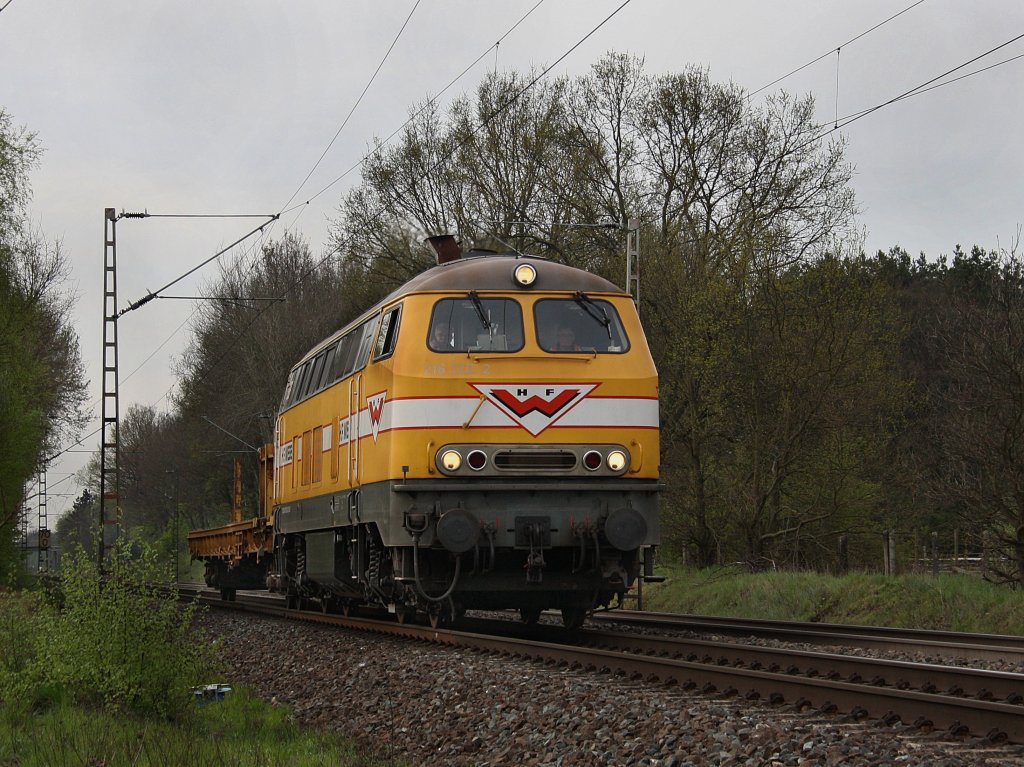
column 565, row 340
column 440, row 337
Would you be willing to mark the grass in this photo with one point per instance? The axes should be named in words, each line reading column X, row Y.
column 942, row 602
column 240, row 730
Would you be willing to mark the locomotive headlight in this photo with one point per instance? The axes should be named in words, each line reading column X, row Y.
column 524, row 275
column 451, row 460
column 616, row 460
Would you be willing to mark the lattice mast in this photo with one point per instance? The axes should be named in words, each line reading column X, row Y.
column 109, row 444
column 42, row 528
column 633, row 260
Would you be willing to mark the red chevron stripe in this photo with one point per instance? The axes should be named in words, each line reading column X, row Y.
column 523, row 407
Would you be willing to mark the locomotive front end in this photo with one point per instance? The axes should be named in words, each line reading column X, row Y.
column 528, row 444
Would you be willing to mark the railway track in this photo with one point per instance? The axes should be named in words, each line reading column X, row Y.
column 960, row 701
column 945, row 644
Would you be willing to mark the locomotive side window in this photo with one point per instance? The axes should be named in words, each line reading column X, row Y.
column 474, row 323
column 362, row 356
column 289, row 388
column 300, row 389
column 387, row 336
column 326, row 378
column 344, row 358
column 353, row 350
column 580, row 324
column 314, row 377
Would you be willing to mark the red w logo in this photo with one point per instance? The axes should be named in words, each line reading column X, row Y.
column 535, row 403
column 375, row 407
column 534, row 406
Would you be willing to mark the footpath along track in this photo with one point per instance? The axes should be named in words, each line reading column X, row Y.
column 960, row 701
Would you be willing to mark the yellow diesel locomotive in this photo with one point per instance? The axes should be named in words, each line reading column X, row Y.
column 486, row 437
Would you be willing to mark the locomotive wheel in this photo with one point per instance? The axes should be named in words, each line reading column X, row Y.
column 346, row 608
column 573, row 616
column 530, row 615
column 437, row 618
column 404, row 613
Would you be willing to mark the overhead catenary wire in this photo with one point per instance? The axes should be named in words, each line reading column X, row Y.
column 925, row 87
column 301, row 207
column 155, row 293
column 835, row 49
column 355, row 105
column 430, row 102
column 515, row 97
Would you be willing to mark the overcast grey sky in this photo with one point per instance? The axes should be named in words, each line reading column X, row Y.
column 224, row 106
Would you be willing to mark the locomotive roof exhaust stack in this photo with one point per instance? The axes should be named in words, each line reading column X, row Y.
column 446, row 247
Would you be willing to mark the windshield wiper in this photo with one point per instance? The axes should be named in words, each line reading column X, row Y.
column 478, row 305
column 595, row 310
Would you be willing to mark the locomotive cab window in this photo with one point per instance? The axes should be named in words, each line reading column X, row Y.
column 387, row 336
column 579, row 324
column 476, row 324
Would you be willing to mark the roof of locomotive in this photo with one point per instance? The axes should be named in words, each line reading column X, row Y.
column 493, row 271
column 482, row 271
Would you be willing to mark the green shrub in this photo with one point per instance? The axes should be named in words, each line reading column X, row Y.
column 22, row 617
column 117, row 642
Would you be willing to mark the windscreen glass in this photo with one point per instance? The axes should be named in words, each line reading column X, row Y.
column 476, row 323
column 580, row 324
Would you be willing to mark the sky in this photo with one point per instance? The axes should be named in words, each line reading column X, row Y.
column 225, row 106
